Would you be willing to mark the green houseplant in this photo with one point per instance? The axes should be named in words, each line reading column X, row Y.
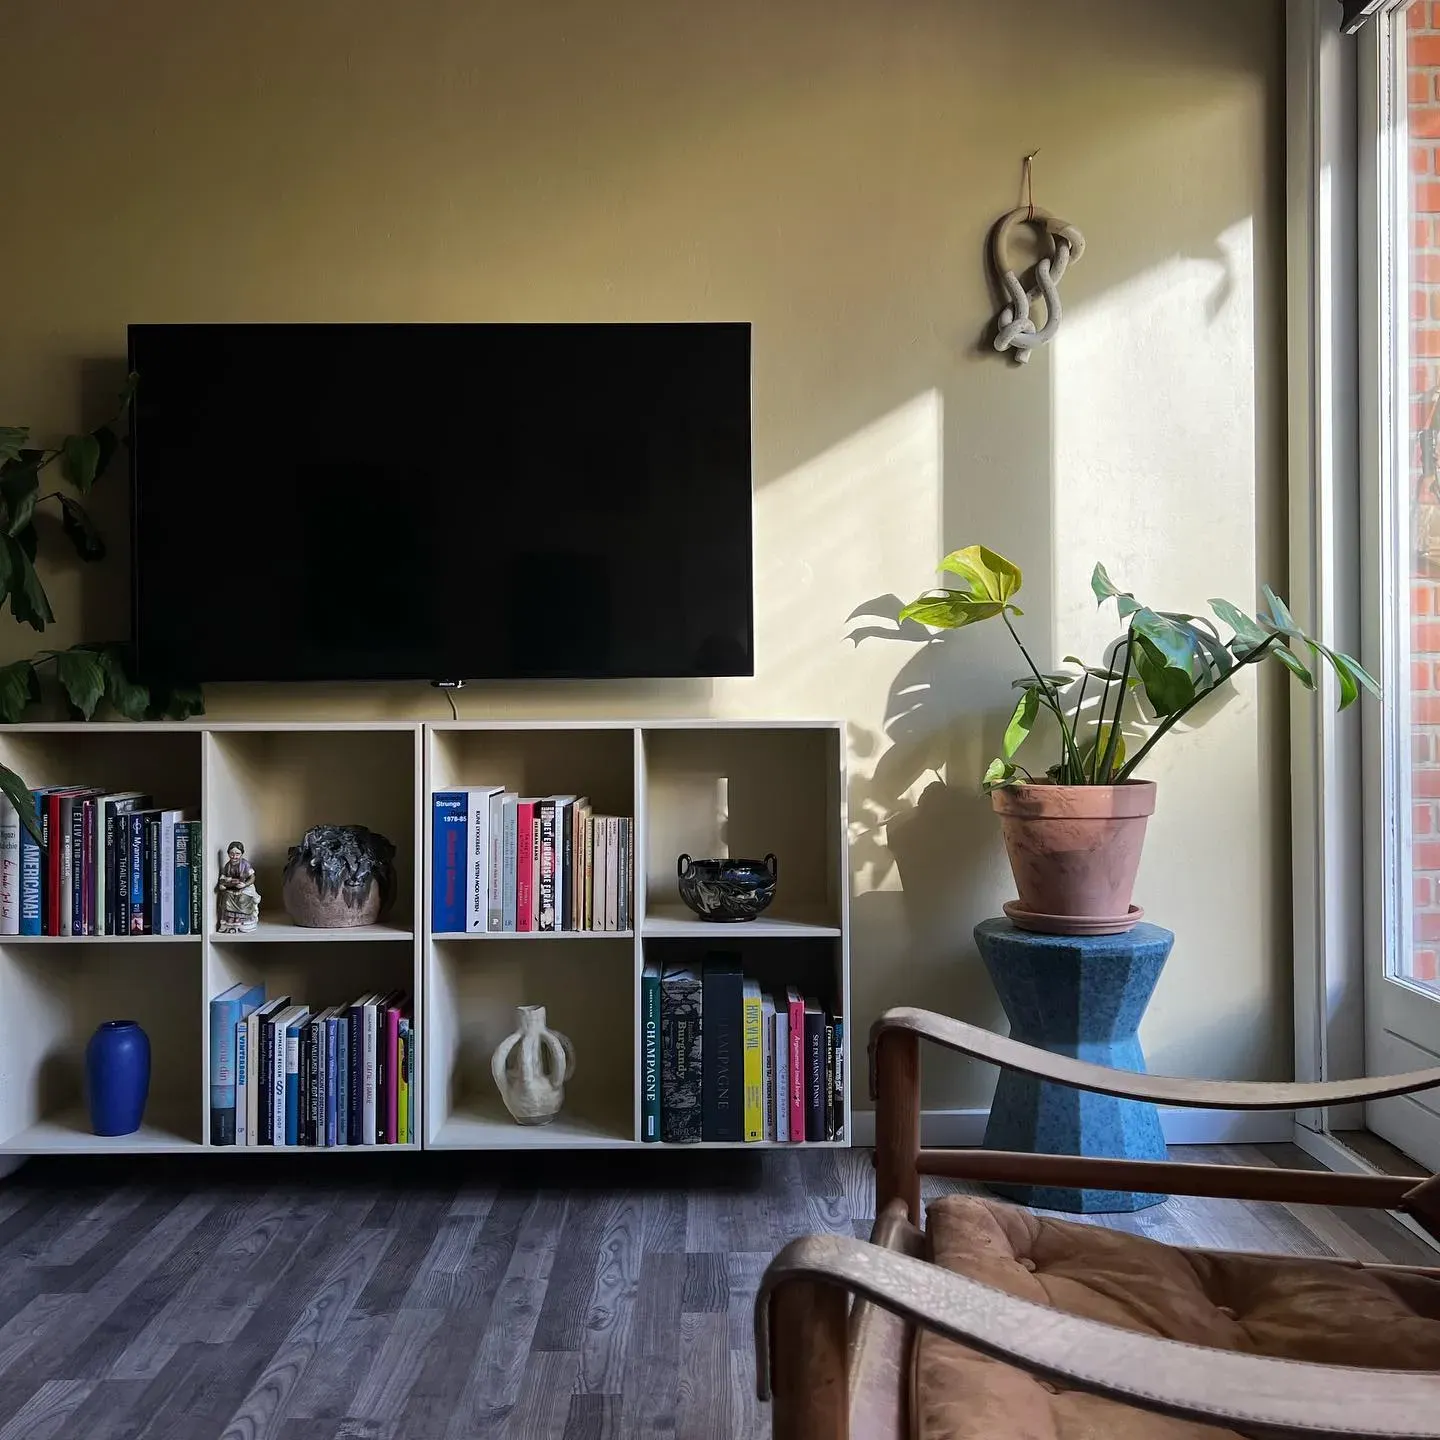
column 88, row 675
column 1074, row 831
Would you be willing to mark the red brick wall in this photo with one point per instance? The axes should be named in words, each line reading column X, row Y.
column 1422, row 23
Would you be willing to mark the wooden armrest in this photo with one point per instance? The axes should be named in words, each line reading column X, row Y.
column 1286, row 1397
column 1163, row 1089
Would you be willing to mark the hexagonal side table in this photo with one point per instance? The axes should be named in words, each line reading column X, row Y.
column 1081, row 996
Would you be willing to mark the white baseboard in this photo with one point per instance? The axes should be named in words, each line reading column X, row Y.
column 959, row 1128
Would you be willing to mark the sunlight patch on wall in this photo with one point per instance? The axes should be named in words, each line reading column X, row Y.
column 850, row 530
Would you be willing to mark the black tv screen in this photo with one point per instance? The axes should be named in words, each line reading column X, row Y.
column 441, row 502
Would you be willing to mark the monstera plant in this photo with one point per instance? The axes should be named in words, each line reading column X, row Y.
column 89, row 675
column 1074, row 827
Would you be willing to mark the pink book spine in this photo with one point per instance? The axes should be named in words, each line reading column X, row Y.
column 796, row 1006
column 392, row 1074
column 524, row 833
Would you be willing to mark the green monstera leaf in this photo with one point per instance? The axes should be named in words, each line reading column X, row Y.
column 991, row 575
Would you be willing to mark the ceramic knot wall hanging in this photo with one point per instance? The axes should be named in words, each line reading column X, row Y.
column 1015, row 330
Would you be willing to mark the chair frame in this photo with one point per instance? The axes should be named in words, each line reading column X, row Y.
column 831, row 1369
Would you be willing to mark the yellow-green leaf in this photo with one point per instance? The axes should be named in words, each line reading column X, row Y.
column 991, row 575
column 1022, row 721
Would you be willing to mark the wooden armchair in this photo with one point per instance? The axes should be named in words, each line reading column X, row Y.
column 854, row 1339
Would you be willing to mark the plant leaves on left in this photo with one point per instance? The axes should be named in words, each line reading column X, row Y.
column 80, row 460
column 77, row 524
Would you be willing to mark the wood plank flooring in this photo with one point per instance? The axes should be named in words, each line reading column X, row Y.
column 579, row 1297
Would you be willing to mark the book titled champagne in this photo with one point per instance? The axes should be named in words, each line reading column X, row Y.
column 650, row 1053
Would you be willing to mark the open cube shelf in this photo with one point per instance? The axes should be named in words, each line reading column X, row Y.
column 702, row 787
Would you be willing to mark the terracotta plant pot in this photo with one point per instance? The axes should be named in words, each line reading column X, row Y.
column 1075, row 851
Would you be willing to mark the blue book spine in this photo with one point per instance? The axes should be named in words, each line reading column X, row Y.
column 292, row 1082
column 182, row 879
column 136, row 822
column 242, row 1074
column 357, row 1051
column 332, row 1078
column 30, row 876
column 342, row 1080
column 447, row 861
column 226, row 1011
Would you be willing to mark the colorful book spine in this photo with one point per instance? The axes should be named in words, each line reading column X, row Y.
column 242, row 1080
column 838, row 1128
column 681, row 1055
column 152, row 875
column 121, row 901
column 9, row 867
column 392, row 1073
column 829, row 1078
column 331, row 1091
column 612, row 873
column 410, row 1087
column 402, row 1134
column 622, row 870
column 72, row 867
column 165, row 866
column 136, row 845
column 509, row 855
column 547, row 865
column 84, row 863
column 181, row 899
column 30, row 874
column 589, row 882
column 447, row 900
column 50, row 842
column 722, row 1083
column 814, row 1071
column 524, row 845
column 342, row 1076
column 370, row 1040
column 767, row 1052
column 754, row 1062
column 198, row 878
column 650, row 1053
column 226, row 1012
column 292, row 1075
column 795, row 1008
column 565, row 866
column 477, row 859
column 495, row 842
column 356, row 1108
column 782, row 1069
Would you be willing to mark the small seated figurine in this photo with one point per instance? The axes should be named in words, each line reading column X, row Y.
column 238, row 903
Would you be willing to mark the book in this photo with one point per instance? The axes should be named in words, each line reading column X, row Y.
column 410, row 1086
column 342, row 1075
column 30, row 867
column 302, row 1082
column 332, row 1076
column 299, row 1017
column 838, row 1127
column 356, row 1108
column 625, row 872
column 814, row 1070
column 402, row 1107
column 259, row 1081
column 391, row 1051
column 136, row 822
column 72, row 862
column 199, row 881
column 274, row 1073
column 829, row 1078
column 754, row 1062
column 782, row 1068
column 85, row 865
column 152, row 874
column 242, row 1081
column 722, row 1077
column 612, row 873
column 51, row 836
column 650, row 1053
column 681, row 1054
column 10, row 828
column 495, row 838
column 767, row 1052
column 226, row 1011
column 597, row 872
column 535, row 868
column 546, row 811
column 477, row 857
column 369, row 1064
column 181, row 903
column 565, row 865
column 524, row 843
column 165, row 861
column 104, row 856
column 449, row 819
column 509, row 854
column 795, row 1010
column 116, row 895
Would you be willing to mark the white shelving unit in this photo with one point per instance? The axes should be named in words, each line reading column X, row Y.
column 705, row 787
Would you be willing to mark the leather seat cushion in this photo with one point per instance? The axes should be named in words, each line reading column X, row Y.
column 1330, row 1312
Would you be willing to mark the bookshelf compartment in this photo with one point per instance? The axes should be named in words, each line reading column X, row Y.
column 55, row 996
column 594, row 761
column 162, row 762
column 472, row 991
column 746, row 791
column 318, row 976
column 266, row 787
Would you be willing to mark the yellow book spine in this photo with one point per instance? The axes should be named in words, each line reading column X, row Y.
column 403, row 1104
column 754, row 1063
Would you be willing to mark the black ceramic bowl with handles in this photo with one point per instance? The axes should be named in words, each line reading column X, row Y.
column 727, row 890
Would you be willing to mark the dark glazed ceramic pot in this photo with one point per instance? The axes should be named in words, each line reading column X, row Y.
column 117, row 1077
column 727, row 890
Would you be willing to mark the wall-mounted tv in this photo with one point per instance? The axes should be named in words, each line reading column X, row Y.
column 441, row 502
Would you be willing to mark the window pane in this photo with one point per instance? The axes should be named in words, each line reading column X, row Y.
column 1416, row 110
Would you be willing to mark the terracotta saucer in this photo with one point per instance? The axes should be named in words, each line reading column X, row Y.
column 1024, row 919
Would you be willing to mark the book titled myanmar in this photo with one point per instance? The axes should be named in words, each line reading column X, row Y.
column 681, row 1054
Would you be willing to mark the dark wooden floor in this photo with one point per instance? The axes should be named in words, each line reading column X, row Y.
column 577, row 1296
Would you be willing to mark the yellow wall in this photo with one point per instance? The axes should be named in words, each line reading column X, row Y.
column 826, row 169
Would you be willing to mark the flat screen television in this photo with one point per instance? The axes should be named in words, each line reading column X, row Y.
column 441, row 502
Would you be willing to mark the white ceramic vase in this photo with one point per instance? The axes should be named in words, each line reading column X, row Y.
column 531, row 1067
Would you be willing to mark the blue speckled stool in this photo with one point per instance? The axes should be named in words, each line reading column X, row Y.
column 1081, row 996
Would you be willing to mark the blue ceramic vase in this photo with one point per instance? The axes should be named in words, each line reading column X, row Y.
column 117, row 1077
